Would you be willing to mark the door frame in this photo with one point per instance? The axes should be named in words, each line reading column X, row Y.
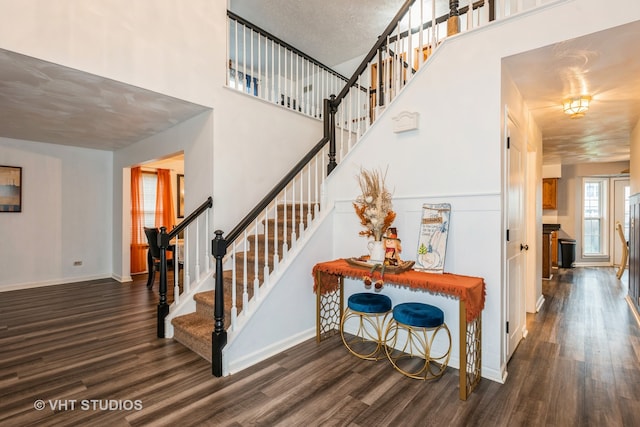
column 510, row 122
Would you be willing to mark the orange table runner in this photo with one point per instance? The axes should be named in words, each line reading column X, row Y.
column 471, row 290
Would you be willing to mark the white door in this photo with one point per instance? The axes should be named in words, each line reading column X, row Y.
column 516, row 244
column 621, row 214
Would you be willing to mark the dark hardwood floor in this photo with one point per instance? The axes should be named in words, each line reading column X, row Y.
column 89, row 349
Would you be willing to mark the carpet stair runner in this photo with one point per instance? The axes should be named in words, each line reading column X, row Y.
column 194, row 330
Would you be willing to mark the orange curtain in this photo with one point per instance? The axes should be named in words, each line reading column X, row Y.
column 138, row 238
column 165, row 213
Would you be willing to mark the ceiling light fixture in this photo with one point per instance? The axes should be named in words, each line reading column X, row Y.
column 576, row 107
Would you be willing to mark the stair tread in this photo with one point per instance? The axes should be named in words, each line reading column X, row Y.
column 197, row 325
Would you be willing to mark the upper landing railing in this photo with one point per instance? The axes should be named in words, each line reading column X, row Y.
column 262, row 65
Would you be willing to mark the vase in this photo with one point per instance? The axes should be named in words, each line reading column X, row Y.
column 376, row 251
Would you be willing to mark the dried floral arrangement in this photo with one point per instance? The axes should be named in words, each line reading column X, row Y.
column 373, row 206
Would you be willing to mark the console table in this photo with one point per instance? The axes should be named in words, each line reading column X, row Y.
column 470, row 291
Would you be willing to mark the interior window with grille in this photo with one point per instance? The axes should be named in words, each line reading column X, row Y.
column 149, row 185
column 594, row 217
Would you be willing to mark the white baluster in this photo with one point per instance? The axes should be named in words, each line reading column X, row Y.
column 186, row 265
column 421, row 37
column 276, row 259
column 273, row 72
column 433, row 27
column 234, row 307
column 251, row 77
column 235, row 67
column 176, row 287
column 285, row 238
column 294, row 238
column 206, row 247
column 309, row 204
column 266, row 246
column 301, row 205
column 197, row 251
column 256, row 280
column 245, row 293
column 244, row 58
column 295, row 104
column 317, row 180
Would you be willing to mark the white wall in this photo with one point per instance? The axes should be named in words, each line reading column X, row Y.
column 256, row 144
column 66, row 215
column 635, row 160
column 167, row 46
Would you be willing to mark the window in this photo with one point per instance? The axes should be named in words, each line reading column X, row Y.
column 149, row 186
column 594, row 228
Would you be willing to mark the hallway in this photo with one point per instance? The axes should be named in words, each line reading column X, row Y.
column 95, row 341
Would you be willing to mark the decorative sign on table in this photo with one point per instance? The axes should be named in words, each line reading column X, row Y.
column 432, row 242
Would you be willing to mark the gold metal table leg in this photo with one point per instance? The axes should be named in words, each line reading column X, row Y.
column 470, row 352
column 463, row 351
column 329, row 309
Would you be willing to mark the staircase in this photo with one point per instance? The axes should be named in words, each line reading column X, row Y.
column 385, row 71
column 194, row 330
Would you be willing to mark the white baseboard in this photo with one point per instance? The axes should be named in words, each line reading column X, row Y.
column 19, row 286
column 239, row 364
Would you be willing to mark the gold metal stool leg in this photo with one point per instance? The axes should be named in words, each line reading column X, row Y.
column 414, row 358
column 367, row 342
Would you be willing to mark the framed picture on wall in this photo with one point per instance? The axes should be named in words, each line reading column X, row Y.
column 10, row 189
column 180, row 196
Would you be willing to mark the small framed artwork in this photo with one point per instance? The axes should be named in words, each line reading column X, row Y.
column 180, row 196
column 10, row 189
column 432, row 241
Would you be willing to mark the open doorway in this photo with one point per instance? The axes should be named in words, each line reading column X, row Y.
column 166, row 176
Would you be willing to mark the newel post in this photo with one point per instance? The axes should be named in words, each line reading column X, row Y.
column 453, row 23
column 163, row 307
column 219, row 334
column 331, row 107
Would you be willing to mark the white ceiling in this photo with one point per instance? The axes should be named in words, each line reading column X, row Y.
column 41, row 101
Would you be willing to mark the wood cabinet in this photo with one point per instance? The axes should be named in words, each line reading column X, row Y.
column 546, row 255
column 550, row 193
column 554, row 248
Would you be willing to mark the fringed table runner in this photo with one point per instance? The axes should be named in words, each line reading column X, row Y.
column 471, row 290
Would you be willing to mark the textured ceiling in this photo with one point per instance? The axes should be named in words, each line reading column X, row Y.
column 600, row 65
column 331, row 31
column 41, row 101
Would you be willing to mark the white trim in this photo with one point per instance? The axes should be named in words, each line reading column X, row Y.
column 30, row 285
column 593, row 264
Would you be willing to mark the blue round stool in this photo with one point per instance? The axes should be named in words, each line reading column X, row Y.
column 371, row 311
column 410, row 338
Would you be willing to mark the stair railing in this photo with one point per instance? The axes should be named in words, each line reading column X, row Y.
column 401, row 50
column 165, row 242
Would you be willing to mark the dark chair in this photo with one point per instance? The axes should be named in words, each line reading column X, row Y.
column 153, row 254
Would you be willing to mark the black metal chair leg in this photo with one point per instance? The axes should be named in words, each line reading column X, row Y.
column 151, row 269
